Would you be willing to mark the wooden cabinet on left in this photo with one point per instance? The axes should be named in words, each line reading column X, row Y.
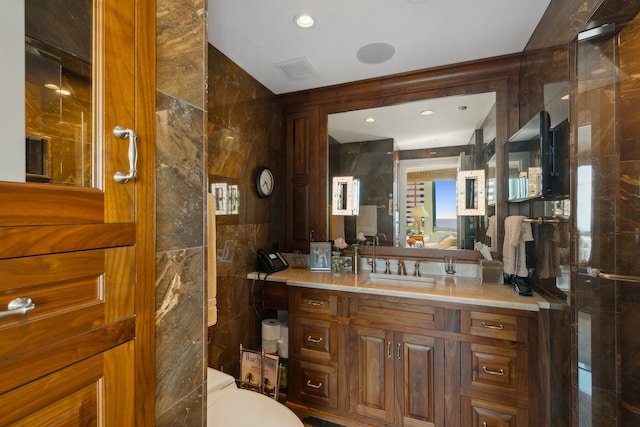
column 83, row 354
column 95, row 391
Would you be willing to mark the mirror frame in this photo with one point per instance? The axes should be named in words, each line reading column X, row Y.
column 485, row 76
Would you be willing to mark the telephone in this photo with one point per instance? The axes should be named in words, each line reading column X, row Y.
column 271, row 262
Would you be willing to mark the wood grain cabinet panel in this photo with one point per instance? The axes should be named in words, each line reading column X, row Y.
column 494, row 325
column 494, row 369
column 316, row 339
column 314, row 384
column 396, row 377
column 94, row 392
column 480, row 413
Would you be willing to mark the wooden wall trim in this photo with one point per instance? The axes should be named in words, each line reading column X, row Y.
column 145, row 209
column 74, row 205
column 406, row 83
column 38, row 240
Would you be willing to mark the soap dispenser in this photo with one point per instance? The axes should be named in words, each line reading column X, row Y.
column 355, row 265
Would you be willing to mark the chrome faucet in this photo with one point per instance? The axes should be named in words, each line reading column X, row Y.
column 375, row 243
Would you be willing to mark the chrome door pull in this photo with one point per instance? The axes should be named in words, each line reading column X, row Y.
column 17, row 306
column 123, row 133
column 492, row 372
column 594, row 272
column 312, row 385
column 314, row 340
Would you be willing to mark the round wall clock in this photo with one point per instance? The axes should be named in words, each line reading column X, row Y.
column 264, row 182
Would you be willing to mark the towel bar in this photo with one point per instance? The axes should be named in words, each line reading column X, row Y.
column 594, row 272
column 545, row 220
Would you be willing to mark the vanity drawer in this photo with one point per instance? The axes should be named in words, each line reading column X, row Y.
column 492, row 369
column 407, row 314
column 312, row 301
column 494, row 325
column 315, row 339
column 314, row 384
column 479, row 413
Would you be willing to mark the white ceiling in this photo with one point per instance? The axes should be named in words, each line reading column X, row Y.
column 259, row 34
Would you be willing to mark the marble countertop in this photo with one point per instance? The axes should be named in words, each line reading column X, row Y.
column 462, row 290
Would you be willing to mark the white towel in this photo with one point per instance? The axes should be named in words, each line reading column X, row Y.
column 514, row 256
column 336, row 226
column 367, row 220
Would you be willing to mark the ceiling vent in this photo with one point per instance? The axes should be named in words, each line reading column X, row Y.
column 296, row 69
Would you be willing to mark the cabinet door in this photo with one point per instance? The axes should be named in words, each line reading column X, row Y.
column 95, row 392
column 306, row 180
column 420, row 379
column 76, row 251
column 371, row 373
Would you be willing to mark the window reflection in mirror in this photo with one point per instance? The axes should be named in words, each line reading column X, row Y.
column 56, row 144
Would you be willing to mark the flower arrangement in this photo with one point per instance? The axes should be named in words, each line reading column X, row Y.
column 411, row 242
column 340, row 244
column 360, row 238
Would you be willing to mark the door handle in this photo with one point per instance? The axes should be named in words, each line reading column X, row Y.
column 124, row 133
column 18, row 306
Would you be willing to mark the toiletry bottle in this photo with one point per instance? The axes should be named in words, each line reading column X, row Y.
column 355, row 265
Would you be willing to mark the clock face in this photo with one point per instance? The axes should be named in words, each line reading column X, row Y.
column 264, row 182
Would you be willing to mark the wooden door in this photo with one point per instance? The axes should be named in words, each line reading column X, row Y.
column 420, row 379
column 371, row 373
column 306, row 181
column 84, row 257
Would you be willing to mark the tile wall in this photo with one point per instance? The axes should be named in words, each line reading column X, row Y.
column 180, row 216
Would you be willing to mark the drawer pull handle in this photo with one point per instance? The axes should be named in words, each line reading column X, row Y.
column 315, row 303
column 389, row 350
column 312, row 385
column 398, row 351
column 499, row 327
column 314, row 340
column 492, row 372
column 17, row 306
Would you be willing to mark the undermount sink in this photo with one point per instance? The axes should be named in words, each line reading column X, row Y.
column 381, row 278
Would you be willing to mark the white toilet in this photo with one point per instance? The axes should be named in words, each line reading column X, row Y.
column 230, row 406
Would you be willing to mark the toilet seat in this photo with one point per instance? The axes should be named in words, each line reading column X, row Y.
column 237, row 407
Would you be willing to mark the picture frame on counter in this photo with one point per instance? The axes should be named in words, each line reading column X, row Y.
column 320, row 256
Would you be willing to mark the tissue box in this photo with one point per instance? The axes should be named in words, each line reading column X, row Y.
column 490, row 271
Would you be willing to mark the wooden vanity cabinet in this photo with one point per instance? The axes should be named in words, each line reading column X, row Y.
column 496, row 369
column 372, row 360
column 396, row 367
column 313, row 347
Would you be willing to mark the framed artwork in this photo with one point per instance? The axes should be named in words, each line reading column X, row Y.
column 320, row 256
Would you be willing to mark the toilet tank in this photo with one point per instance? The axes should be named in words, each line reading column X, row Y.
column 217, row 380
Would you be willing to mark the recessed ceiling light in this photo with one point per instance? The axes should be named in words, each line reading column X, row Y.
column 304, row 20
column 462, row 107
column 426, row 112
column 369, row 120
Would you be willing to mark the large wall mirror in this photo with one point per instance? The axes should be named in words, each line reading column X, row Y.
column 407, row 157
column 47, row 72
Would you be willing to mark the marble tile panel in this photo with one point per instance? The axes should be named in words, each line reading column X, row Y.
column 225, row 339
column 188, row 412
column 180, row 326
column 604, row 359
column 181, row 49
column 628, row 197
column 180, row 175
